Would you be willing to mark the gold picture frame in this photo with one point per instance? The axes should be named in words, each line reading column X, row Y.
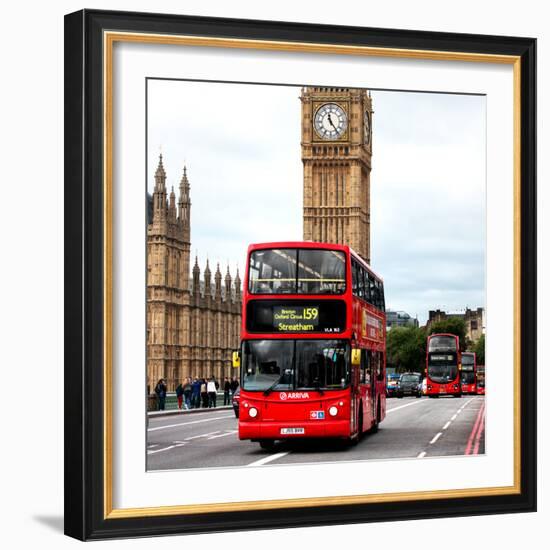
column 90, row 40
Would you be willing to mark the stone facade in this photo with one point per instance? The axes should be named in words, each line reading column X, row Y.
column 474, row 319
column 193, row 324
column 337, row 169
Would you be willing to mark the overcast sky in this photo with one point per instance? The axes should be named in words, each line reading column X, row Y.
column 241, row 145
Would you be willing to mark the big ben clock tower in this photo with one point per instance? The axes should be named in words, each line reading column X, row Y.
column 337, row 152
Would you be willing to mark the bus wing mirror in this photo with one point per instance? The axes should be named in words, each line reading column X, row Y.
column 355, row 356
column 236, row 360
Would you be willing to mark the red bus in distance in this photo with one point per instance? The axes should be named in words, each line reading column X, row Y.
column 313, row 344
column 443, row 365
column 468, row 373
column 481, row 380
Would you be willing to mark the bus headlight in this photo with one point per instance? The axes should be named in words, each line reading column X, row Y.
column 253, row 412
column 333, row 411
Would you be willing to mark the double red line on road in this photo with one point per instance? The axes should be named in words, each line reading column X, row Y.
column 472, row 447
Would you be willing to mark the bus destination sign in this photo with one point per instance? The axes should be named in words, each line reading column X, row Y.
column 296, row 318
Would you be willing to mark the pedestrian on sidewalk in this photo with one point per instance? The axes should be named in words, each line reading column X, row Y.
column 187, row 389
column 204, row 394
column 226, row 391
column 234, row 386
column 179, row 395
column 196, row 393
column 211, row 389
column 160, row 390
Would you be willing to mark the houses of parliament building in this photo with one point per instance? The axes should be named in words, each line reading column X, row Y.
column 194, row 321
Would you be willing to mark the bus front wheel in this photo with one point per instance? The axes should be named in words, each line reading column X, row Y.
column 374, row 427
column 267, row 444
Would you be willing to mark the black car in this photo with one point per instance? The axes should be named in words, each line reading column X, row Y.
column 409, row 384
column 235, row 401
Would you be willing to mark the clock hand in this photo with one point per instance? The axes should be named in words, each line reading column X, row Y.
column 331, row 123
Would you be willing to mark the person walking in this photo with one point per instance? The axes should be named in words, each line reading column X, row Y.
column 196, row 393
column 234, row 386
column 226, row 391
column 211, row 389
column 160, row 390
column 187, row 389
column 204, row 394
column 179, row 395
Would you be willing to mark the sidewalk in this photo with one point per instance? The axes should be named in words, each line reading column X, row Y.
column 176, row 411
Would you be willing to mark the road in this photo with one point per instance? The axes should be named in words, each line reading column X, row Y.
column 413, row 428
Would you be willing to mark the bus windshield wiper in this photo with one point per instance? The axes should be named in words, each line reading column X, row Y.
column 317, row 386
column 274, row 385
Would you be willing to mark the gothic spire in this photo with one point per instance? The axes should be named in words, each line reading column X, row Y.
column 172, row 204
column 184, row 203
column 207, row 279
column 160, row 176
column 237, row 283
column 218, row 280
column 159, row 195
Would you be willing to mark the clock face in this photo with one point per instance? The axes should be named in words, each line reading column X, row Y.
column 330, row 121
column 367, row 128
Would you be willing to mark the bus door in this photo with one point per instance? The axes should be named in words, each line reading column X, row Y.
column 368, row 378
column 355, row 397
column 374, row 368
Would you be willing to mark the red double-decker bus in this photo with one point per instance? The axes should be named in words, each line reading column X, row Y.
column 313, row 344
column 443, row 365
column 468, row 373
column 481, row 380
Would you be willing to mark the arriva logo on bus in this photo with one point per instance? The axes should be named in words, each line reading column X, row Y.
column 293, row 395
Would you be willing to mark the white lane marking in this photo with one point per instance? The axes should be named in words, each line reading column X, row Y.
column 465, row 404
column 407, row 405
column 201, row 435
column 223, row 435
column 189, row 423
column 160, row 450
column 447, row 425
column 153, row 445
column 267, row 459
column 454, row 417
column 436, row 437
column 422, row 454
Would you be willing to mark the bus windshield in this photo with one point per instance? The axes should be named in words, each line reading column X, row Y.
column 295, row 364
column 442, row 343
column 297, row 271
column 442, row 368
column 467, row 359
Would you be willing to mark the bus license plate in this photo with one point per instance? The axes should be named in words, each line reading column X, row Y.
column 289, row 431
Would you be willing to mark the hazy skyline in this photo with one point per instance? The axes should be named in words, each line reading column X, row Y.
column 241, row 145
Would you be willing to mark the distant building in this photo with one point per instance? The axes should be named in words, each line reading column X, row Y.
column 473, row 318
column 399, row 319
column 193, row 323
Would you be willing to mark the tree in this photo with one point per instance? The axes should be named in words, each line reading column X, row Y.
column 452, row 325
column 479, row 349
column 406, row 348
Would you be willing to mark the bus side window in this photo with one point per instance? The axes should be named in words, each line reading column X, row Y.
column 361, row 277
column 364, row 366
column 355, row 277
column 376, row 294
column 368, row 295
column 368, row 367
column 371, row 295
column 379, row 365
